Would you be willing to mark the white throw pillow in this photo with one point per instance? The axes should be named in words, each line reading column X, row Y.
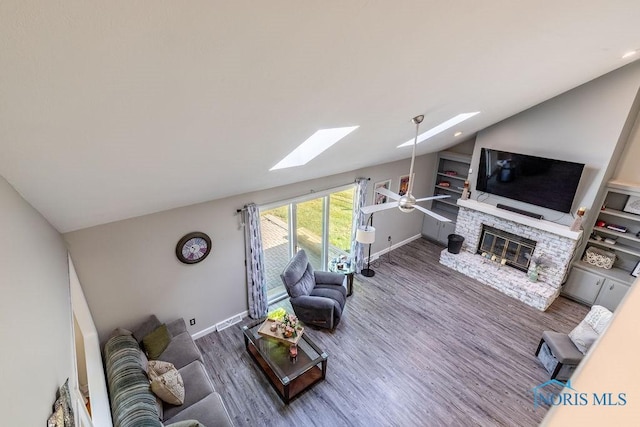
column 583, row 336
column 166, row 382
column 587, row 331
column 598, row 318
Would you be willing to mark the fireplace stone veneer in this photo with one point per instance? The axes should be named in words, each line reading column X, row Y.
column 555, row 245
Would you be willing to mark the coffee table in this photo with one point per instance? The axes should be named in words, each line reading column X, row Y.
column 289, row 378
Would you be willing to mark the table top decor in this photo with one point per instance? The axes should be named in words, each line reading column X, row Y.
column 287, row 327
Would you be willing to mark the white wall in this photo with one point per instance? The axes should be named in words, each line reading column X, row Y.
column 584, row 125
column 628, row 168
column 128, row 269
column 36, row 312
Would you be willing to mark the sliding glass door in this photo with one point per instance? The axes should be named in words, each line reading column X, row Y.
column 320, row 225
column 340, row 222
column 309, row 227
column 276, row 243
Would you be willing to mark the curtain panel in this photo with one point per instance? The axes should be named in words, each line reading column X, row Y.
column 254, row 260
column 357, row 251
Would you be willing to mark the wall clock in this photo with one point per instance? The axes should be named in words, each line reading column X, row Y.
column 193, row 247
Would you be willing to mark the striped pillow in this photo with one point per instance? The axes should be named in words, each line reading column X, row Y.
column 132, row 402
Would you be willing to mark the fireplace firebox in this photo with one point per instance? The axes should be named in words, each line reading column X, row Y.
column 516, row 250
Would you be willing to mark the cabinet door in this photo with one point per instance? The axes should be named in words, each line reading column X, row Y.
column 430, row 227
column 446, row 228
column 611, row 294
column 582, row 285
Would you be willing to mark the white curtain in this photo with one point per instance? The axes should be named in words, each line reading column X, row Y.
column 357, row 251
column 254, row 260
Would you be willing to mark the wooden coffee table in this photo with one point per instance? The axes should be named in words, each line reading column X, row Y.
column 289, row 378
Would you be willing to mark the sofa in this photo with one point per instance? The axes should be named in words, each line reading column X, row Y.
column 133, row 403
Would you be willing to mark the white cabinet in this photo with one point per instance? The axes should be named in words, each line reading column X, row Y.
column 611, row 294
column 450, row 175
column 593, row 285
column 583, row 285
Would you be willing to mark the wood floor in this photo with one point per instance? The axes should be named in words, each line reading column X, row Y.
column 419, row 345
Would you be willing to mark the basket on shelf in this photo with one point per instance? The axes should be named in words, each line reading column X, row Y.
column 599, row 257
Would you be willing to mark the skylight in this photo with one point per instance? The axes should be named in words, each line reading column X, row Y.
column 313, row 146
column 441, row 128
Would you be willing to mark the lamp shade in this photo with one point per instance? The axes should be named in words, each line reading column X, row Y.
column 366, row 235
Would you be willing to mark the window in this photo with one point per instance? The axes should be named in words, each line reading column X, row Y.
column 320, row 224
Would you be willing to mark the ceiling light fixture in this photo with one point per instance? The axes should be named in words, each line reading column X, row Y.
column 313, row 146
column 629, row 54
column 440, row 128
column 407, row 202
column 457, row 133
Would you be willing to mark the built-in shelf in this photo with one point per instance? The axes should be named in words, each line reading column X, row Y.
column 594, row 285
column 620, row 214
column 459, row 165
column 453, row 190
column 617, row 247
column 618, row 234
column 627, row 187
column 459, row 177
column 615, row 199
column 447, row 202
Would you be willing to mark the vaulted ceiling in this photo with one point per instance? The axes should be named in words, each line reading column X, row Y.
column 115, row 109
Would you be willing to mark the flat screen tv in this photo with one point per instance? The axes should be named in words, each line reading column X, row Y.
column 536, row 180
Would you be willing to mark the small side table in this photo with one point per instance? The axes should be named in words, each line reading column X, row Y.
column 347, row 271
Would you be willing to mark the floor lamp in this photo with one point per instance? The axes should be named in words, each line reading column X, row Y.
column 367, row 235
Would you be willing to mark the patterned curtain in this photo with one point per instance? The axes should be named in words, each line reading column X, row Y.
column 254, row 260
column 357, row 252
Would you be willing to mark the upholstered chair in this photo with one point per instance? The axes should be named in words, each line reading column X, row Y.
column 317, row 297
column 561, row 353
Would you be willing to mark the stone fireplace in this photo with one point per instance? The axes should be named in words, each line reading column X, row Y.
column 511, row 235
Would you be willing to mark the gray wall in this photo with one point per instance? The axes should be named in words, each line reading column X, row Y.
column 629, row 165
column 584, row 125
column 36, row 312
column 128, row 269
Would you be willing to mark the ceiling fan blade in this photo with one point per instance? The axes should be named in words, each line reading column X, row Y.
column 433, row 214
column 441, row 196
column 375, row 208
column 388, row 193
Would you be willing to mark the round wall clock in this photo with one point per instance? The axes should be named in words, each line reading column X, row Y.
column 193, row 247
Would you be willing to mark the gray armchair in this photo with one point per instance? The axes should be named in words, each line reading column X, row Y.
column 317, row 297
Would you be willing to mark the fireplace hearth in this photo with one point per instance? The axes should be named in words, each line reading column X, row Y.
column 509, row 235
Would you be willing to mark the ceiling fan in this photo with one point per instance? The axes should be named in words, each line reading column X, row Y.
column 406, row 203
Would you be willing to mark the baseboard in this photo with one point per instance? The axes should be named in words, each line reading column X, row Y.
column 221, row 325
column 378, row 254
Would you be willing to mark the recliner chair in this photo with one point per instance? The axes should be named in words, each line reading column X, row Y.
column 317, row 297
